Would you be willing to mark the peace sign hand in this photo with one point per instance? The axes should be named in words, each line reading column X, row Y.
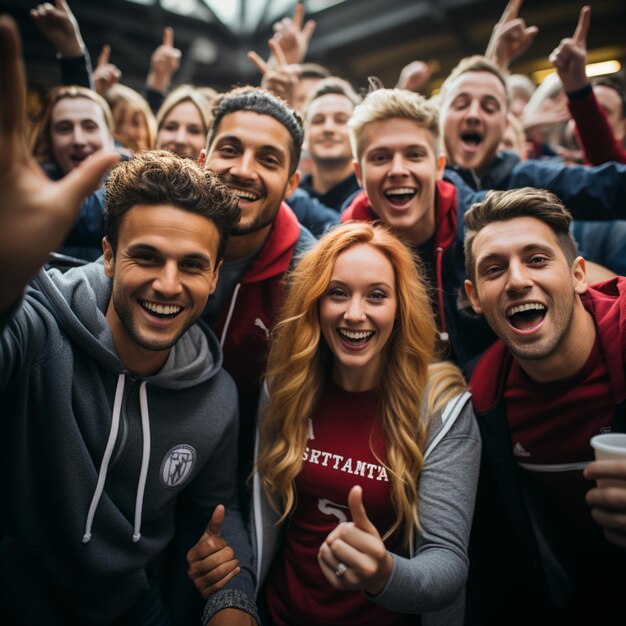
column 282, row 79
column 510, row 37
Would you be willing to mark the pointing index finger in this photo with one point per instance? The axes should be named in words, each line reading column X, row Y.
column 511, row 10
column 103, row 57
column 582, row 28
column 168, row 37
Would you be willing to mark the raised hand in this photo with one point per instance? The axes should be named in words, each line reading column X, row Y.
column 551, row 111
column 414, row 76
column 164, row 63
column 570, row 56
column 35, row 213
column 510, row 37
column 358, row 546
column 608, row 499
column 282, row 79
column 212, row 562
column 106, row 74
column 59, row 26
column 292, row 36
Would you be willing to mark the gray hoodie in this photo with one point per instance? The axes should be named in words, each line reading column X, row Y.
column 102, row 469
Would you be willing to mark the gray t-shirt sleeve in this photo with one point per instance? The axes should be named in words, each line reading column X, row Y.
column 434, row 577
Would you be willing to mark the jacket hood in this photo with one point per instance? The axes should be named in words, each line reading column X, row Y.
column 275, row 255
column 445, row 212
column 79, row 298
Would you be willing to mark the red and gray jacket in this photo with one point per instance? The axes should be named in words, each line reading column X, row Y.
column 244, row 324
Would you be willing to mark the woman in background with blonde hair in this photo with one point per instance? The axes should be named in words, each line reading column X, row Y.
column 183, row 121
column 135, row 124
column 368, row 453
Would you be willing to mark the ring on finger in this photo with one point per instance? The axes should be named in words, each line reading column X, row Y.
column 341, row 568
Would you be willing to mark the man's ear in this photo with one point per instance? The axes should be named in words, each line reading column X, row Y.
column 292, row 184
column 202, row 157
column 473, row 297
column 357, row 170
column 441, row 166
column 109, row 258
column 579, row 275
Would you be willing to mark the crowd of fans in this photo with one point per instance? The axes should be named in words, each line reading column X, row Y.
column 343, row 352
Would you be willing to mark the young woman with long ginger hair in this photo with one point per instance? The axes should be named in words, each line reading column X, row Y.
column 368, row 453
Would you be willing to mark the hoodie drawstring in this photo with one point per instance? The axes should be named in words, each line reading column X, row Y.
column 145, row 459
column 231, row 310
column 443, row 335
column 108, row 453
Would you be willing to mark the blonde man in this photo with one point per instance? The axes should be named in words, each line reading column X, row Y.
column 395, row 140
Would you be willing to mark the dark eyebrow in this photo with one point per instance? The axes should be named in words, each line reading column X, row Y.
column 146, row 247
column 228, row 139
column 531, row 247
column 266, row 148
column 277, row 150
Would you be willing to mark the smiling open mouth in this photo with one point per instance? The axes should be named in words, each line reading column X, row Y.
column 248, row 196
column 526, row 316
column 400, row 195
column 471, row 139
column 356, row 337
column 161, row 310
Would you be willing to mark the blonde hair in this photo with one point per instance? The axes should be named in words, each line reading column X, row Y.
column 40, row 139
column 297, row 368
column 476, row 63
column 386, row 104
column 121, row 99
column 185, row 93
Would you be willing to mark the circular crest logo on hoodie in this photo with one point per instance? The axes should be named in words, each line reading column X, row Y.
column 177, row 465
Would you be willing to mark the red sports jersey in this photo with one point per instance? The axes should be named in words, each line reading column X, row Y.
column 551, row 425
column 344, row 433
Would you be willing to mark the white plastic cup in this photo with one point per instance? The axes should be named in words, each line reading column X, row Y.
column 610, row 446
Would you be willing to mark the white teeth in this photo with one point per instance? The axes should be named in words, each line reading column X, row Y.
column 525, row 307
column 160, row 309
column 351, row 334
column 246, row 195
column 400, row 191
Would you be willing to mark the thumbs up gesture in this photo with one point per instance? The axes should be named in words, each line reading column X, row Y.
column 353, row 555
column 212, row 562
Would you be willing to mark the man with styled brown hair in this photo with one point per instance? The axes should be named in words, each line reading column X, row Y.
column 118, row 421
column 547, row 544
